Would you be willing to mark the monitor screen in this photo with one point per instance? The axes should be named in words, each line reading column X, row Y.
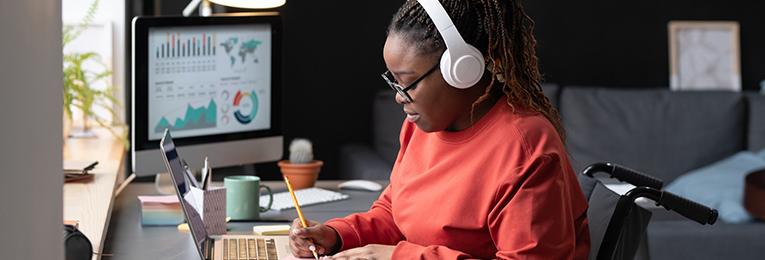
column 208, row 80
column 215, row 82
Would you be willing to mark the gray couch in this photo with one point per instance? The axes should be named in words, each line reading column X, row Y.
column 374, row 160
column 657, row 131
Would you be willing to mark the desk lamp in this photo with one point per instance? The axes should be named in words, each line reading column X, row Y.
column 205, row 10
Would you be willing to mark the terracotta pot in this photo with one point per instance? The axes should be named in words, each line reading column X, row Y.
column 301, row 175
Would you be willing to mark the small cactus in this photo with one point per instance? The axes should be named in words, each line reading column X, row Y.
column 301, row 151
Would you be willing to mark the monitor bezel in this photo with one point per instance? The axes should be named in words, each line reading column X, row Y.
column 142, row 25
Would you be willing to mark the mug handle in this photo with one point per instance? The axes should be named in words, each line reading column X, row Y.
column 270, row 198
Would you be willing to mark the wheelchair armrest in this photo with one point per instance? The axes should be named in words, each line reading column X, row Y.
column 624, row 174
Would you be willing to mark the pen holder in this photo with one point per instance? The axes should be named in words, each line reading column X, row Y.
column 211, row 206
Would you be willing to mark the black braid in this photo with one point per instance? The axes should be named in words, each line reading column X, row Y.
column 502, row 31
column 412, row 22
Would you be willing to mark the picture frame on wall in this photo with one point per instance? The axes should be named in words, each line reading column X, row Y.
column 704, row 55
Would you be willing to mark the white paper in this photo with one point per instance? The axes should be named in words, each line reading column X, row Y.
column 195, row 198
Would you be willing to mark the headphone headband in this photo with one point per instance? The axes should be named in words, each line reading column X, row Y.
column 443, row 23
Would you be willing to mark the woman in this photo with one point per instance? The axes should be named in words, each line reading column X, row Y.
column 482, row 172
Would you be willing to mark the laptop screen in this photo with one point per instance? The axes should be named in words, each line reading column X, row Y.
column 175, row 166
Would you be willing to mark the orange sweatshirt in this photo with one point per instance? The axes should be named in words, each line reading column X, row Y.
column 503, row 188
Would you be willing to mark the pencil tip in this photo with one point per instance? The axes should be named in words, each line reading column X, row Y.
column 315, row 255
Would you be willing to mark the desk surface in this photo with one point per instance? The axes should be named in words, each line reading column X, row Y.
column 90, row 203
column 127, row 239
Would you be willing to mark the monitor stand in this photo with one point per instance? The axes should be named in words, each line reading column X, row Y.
column 163, row 184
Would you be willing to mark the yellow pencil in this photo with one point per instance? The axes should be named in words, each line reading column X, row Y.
column 300, row 215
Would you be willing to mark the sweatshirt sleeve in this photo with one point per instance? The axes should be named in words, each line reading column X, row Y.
column 375, row 226
column 534, row 217
column 531, row 219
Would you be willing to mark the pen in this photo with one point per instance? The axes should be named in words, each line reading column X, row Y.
column 300, row 215
column 90, row 167
column 189, row 175
column 205, row 174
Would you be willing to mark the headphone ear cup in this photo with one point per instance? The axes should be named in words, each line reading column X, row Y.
column 446, row 69
column 465, row 71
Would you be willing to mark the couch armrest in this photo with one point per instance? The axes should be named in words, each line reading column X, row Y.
column 358, row 161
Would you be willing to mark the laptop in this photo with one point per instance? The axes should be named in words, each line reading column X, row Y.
column 225, row 247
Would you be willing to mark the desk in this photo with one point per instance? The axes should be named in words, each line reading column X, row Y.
column 90, row 203
column 127, row 239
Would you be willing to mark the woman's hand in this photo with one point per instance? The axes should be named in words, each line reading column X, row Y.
column 324, row 238
column 376, row 252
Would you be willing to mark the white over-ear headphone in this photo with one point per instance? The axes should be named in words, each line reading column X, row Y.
column 462, row 65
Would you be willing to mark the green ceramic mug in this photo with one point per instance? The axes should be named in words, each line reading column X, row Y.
column 243, row 197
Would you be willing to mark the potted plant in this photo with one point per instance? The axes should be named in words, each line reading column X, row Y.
column 301, row 169
column 79, row 92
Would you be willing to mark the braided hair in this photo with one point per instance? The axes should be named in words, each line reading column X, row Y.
column 502, row 31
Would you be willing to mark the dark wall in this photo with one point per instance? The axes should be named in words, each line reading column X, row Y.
column 333, row 55
column 333, row 61
column 618, row 43
column 332, row 66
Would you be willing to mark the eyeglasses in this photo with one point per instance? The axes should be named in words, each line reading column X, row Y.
column 403, row 91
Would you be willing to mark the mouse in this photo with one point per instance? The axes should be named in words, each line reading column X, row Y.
column 360, row 185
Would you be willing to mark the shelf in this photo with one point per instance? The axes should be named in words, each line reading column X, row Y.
column 90, row 203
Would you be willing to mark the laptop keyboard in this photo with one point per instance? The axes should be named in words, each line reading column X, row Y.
column 249, row 249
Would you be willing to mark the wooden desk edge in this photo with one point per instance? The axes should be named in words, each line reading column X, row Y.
column 109, row 170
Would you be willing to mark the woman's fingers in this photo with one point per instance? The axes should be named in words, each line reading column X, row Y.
column 296, row 225
column 298, row 242
column 312, row 231
column 299, row 250
column 299, row 238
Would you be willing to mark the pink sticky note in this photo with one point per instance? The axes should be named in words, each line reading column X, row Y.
column 169, row 199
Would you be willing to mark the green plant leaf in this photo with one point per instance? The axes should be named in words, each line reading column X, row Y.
column 70, row 33
column 78, row 91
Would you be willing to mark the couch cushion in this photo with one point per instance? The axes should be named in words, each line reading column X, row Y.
column 756, row 134
column 657, row 131
column 685, row 239
column 552, row 92
column 359, row 161
column 388, row 118
column 720, row 185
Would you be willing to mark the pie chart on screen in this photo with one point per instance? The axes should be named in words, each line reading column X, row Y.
column 245, row 106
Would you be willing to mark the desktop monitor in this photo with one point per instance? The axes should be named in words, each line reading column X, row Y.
column 214, row 82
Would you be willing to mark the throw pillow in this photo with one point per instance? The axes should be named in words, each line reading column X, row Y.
column 720, row 185
column 761, row 154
